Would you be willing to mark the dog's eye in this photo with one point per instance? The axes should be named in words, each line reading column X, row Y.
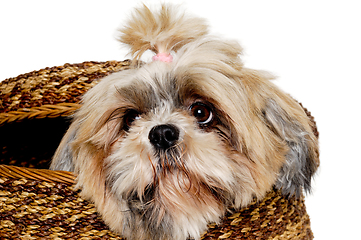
column 129, row 117
column 202, row 112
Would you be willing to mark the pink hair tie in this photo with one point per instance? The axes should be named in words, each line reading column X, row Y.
column 163, row 57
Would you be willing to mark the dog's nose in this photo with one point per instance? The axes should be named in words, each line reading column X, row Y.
column 164, row 136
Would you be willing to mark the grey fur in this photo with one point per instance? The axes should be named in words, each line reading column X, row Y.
column 297, row 172
column 63, row 159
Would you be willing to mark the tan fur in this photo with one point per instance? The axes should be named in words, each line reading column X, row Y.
column 260, row 136
column 162, row 31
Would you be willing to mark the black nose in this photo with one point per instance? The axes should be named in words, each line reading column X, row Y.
column 163, row 136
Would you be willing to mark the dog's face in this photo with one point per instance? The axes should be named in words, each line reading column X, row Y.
column 165, row 148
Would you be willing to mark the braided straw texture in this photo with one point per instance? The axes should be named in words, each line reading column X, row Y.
column 38, row 203
column 51, row 92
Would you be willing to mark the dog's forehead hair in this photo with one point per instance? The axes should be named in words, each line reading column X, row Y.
column 150, row 92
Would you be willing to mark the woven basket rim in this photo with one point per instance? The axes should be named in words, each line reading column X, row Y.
column 47, row 175
column 45, row 111
column 53, row 91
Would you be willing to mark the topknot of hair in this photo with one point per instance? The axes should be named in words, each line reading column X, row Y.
column 162, row 31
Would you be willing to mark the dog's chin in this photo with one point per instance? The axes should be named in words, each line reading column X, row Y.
column 172, row 207
column 173, row 193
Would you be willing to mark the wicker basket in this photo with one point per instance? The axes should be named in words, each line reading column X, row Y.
column 39, row 203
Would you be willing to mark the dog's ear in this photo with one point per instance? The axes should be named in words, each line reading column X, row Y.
column 63, row 157
column 287, row 119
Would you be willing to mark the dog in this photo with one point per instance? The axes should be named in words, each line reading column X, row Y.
column 171, row 144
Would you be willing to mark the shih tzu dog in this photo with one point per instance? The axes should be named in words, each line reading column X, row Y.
column 166, row 147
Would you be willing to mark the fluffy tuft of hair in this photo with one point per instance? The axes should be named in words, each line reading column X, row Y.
column 163, row 31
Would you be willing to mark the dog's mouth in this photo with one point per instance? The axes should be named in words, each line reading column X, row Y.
column 157, row 195
column 165, row 164
column 169, row 160
column 139, row 203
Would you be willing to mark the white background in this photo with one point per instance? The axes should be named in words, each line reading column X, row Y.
column 312, row 46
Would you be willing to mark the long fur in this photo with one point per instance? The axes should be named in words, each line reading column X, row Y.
column 163, row 31
column 259, row 136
